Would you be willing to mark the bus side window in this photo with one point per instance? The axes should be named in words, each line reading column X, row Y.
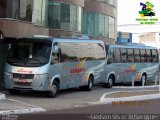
column 110, row 56
column 123, row 55
column 137, row 55
column 117, row 55
column 143, row 55
column 130, row 55
column 149, row 58
column 154, row 56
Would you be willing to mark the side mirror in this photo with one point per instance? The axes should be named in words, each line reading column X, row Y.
column 55, row 55
column 54, row 60
column 55, row 49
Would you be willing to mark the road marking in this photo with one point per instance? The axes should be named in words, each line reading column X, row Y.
column 23, row 103
column 22, row 111
column 31, row 108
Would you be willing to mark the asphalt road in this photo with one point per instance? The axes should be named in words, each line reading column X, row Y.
column 108, row 112
column 74, row 104
column 66, row 99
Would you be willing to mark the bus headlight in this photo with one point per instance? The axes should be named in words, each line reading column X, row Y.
column 8, row 75
column 41, row 76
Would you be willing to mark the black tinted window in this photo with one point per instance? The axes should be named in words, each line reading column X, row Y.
column 143, row 55
column 130, row 55
column 117, row 55
column 67, row 52
column 137, row 55
column 81, row 51
column 148, row 55
column 123, row 55
column 154, row 56
column 111, row 55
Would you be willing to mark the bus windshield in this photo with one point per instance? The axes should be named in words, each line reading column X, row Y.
column 29, row 53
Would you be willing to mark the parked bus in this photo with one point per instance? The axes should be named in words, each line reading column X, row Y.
column 131, row 62
column 52, row 64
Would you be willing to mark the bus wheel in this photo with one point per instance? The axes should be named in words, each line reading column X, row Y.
column 14, row 92
column 110, row 82
column 143, row 78
column 90, row 83
column 54, row 90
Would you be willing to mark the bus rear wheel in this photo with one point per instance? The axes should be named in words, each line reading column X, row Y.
column 54, row 90
column 143, row 79
column 110, row 82
column 89, row 86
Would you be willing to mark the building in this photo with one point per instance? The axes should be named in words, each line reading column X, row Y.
column 25, row 18
column 151, row 39
column 124, row 37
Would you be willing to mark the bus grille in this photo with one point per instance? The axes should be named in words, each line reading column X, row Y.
column 25, row 84
column 23, row 76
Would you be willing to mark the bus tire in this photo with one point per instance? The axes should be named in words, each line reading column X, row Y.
column 54, row 90
column 110, row 81
column 14, row 92
column 89, row 86
column 143, row 77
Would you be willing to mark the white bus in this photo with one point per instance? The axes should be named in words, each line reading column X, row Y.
column 131, row 62
column 52, row 64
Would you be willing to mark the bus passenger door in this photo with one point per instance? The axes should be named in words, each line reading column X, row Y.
column 60, row 66
column 78, row 65
column 114, row 65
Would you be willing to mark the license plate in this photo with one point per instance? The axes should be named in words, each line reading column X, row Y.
column 22, row 80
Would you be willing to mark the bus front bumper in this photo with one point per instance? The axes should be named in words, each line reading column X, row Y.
column 38, row 83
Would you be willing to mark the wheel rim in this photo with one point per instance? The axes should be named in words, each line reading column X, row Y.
column 54, row 89
column 90, row 84
column 143, row 78
column 110, row 81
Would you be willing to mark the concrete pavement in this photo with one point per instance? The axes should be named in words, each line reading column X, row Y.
column 9, row 106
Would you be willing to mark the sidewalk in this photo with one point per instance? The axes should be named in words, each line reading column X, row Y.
column 108, row 98
column 129, row 94
column 9, row 106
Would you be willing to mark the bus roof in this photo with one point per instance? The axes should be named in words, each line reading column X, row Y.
column 132, row 46
column 76, row 40
column 40, row 39
column 51, row 39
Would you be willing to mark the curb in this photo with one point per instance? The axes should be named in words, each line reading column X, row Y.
column 2, row 96
column 152, row 86
column 23, row 111
column 131, row 98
